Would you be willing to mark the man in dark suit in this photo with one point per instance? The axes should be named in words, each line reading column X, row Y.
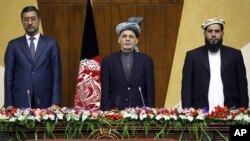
column 214, row 74
column 127, row 76
column 32, row 67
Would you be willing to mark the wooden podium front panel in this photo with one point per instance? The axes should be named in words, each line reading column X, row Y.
column 112, row 132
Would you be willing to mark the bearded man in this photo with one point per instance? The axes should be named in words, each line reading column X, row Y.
column 214, row 74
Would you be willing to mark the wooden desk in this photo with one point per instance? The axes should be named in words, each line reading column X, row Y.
column 135, row 132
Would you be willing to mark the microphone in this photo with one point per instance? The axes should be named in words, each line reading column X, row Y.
column 28, row 93
column 38, row 101
column 2, row 108
column 142, row 99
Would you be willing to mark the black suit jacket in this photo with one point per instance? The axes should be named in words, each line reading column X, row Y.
column 196, row 76
column 41, row 77
column 117, row 92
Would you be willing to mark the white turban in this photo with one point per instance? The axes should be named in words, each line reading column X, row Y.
column 212, row 21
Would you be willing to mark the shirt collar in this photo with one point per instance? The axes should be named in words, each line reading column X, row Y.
column 36, row 36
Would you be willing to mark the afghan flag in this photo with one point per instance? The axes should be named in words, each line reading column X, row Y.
column 88, row 89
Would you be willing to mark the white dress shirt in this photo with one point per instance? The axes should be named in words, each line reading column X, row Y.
column 215, row 91
column 35, row 40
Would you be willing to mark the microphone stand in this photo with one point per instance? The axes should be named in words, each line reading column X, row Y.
column 2, row 107
column 142, row 98
column 28, row 93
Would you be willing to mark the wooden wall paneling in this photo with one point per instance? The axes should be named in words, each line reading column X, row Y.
column 173, row 17
column 157, row 49
column 137, row 1
column 64, row 20
column 102, row 16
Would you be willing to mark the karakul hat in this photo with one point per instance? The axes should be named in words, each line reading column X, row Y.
column 132, row 24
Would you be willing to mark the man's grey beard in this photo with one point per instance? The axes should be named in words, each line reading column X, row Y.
column 213, row 47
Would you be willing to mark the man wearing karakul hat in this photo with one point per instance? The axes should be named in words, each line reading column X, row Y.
column 127, row 76
column 214, row 74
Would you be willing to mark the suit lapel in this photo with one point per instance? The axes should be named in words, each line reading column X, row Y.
column 25, row 48
column 224, row 59
column 204, row 58
column 40, row 47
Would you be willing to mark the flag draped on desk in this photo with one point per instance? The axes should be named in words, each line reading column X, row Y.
column 88, row 89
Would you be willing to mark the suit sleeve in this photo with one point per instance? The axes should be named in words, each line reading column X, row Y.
column 150, row 83
column 105, row 101
column 187, row 82
column 9, row 60
column 57, row 74
column 242, row 81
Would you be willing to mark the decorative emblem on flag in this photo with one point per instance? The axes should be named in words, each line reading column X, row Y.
column 88, row 84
